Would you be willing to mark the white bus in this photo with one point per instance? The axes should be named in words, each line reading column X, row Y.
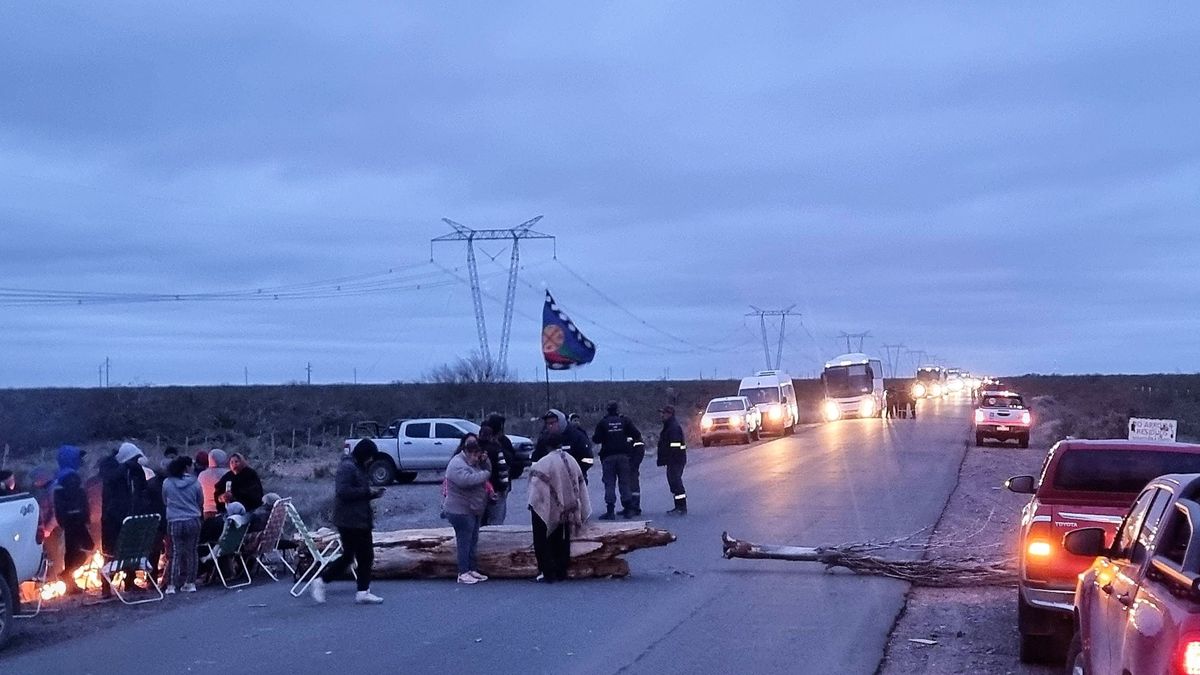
column 772, row 392
column 853, row 387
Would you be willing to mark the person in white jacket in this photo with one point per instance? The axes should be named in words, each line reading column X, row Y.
column 559, row 506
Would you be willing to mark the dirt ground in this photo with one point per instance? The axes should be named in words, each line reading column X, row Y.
column 973, row 630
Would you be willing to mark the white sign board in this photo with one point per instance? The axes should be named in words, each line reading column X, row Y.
column 1151, row 430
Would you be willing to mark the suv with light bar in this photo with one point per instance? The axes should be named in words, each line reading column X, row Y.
column 730, row 417
column 1137, row 609
column 931, row 382
column 1002, row 415
column 1083, row 483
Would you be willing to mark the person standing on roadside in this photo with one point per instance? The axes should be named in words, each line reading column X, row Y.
column 124, row 495
column 208, row 481
column 354, row 520
column 615, row 433
column 672, row 453
column 73, row 513
column 184, row 503
column 558, row 506
column 581, row 444
column 467, row 490
column 495, row 421
column 497, row 506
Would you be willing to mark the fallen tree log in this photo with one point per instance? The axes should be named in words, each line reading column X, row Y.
column 506, row 551
column 938, row 572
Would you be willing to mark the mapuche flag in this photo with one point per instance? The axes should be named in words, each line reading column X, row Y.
column 563, row 346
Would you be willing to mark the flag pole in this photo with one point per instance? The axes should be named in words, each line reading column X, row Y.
column 547, row 386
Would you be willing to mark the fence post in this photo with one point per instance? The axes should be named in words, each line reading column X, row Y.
column 293, row 440
column 310, row 437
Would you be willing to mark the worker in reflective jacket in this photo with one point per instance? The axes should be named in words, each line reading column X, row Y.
column 672, row 453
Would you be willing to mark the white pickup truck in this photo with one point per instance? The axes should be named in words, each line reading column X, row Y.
column 408, row 446
column 20, row 554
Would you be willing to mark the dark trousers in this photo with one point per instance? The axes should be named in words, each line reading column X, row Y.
column 617, row 473
column 357, row 546
column 675, row 480
column 77, row 548
column 552, row 548
column 185, row 543
column 635, row 476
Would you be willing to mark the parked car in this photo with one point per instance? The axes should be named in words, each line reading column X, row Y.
column 1002, row 415
column 1137, row 608
column 427, row 444
column 20, row 554
column 1084, row 483
column 730, row 417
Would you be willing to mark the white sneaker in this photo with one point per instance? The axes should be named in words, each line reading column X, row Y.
column 189, row 588
column 478, row 576
column 367, row 598
column 318, row 590
column 467, row 578
column 170, row 590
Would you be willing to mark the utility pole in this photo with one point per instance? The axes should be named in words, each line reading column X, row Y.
column 471, row 235
column 308, row 370
column 100, row 375
column 920, row 357
column 893, row 354
column 854, row 336
column 762, row 315
column 107, row 372
column 356, row 375
column 246, row 374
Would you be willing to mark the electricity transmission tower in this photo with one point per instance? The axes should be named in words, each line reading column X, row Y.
column 893, row 354
column 854, row 336
column 470, row 235
column 762, row 315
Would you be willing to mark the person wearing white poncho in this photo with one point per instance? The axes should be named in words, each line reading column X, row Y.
column 559, row 506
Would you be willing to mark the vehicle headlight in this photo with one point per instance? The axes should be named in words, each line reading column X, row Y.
column 866, row 408
column 706, row 422
column 936, row 390
column 956, row 385
column 735, row 420
column 919, row 390
column 831, row 411
column 776, row 413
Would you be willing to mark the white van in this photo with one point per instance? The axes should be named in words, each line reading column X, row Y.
column 853, row 387
column 772, row 392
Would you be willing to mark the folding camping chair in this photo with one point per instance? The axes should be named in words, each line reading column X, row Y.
column 134, row 544
column 321, row 556
column 229, row 544
column 263, row 547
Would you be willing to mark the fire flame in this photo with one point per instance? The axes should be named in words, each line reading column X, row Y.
column 86, row 577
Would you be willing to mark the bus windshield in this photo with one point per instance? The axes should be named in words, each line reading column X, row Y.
column 845, row 381
column 761, row 395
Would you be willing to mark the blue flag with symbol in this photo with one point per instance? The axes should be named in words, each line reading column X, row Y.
column 563, row 346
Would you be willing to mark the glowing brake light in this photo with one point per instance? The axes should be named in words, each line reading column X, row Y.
column 1039, row 549
column 1026, row 418
column 979, row 417
column 1189, row 657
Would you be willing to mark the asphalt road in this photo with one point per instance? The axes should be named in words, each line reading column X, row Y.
column 685, row 609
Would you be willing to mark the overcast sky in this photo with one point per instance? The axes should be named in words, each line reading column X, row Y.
column 1009, row 187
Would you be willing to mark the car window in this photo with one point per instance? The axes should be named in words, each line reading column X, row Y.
column 1145, row 541
column 726, row 406
column 443, row 430
column 1117, row 470
column 417, row 430
column 1127, row 534
column 1176, row 538
column 1003, row 402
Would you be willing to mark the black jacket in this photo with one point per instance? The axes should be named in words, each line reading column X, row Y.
column 672, row 446
column 124, row 491
column 352, row 497
column 581, row 446
column 247, row 488
column 71, row 503
column 500, row 462
column 616, row 435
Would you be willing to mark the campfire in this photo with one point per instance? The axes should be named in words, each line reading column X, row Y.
column 86, row 578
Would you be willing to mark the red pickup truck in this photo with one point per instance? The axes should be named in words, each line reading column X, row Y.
column 1137, row 609
column 1084, row 483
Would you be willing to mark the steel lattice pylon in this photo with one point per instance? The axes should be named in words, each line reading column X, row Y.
column 762, row 315
column 515, row 234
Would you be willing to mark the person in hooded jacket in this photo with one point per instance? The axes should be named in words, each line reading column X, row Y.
column 672, row 453
column 558, row 507
column 184, row 503
column 217, row 462
column 557, row 435
column 354, row 519
column 124, row 495
column 72, row 512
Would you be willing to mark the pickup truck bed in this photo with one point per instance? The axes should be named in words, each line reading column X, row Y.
column 20, row 554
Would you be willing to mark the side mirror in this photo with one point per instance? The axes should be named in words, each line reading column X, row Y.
column 1087, row 542
column 1022, row 485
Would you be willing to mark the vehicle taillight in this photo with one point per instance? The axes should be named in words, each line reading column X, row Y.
column 1189, row 656
column 1039, row 549
column 1026, row 418
column 979, row 417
